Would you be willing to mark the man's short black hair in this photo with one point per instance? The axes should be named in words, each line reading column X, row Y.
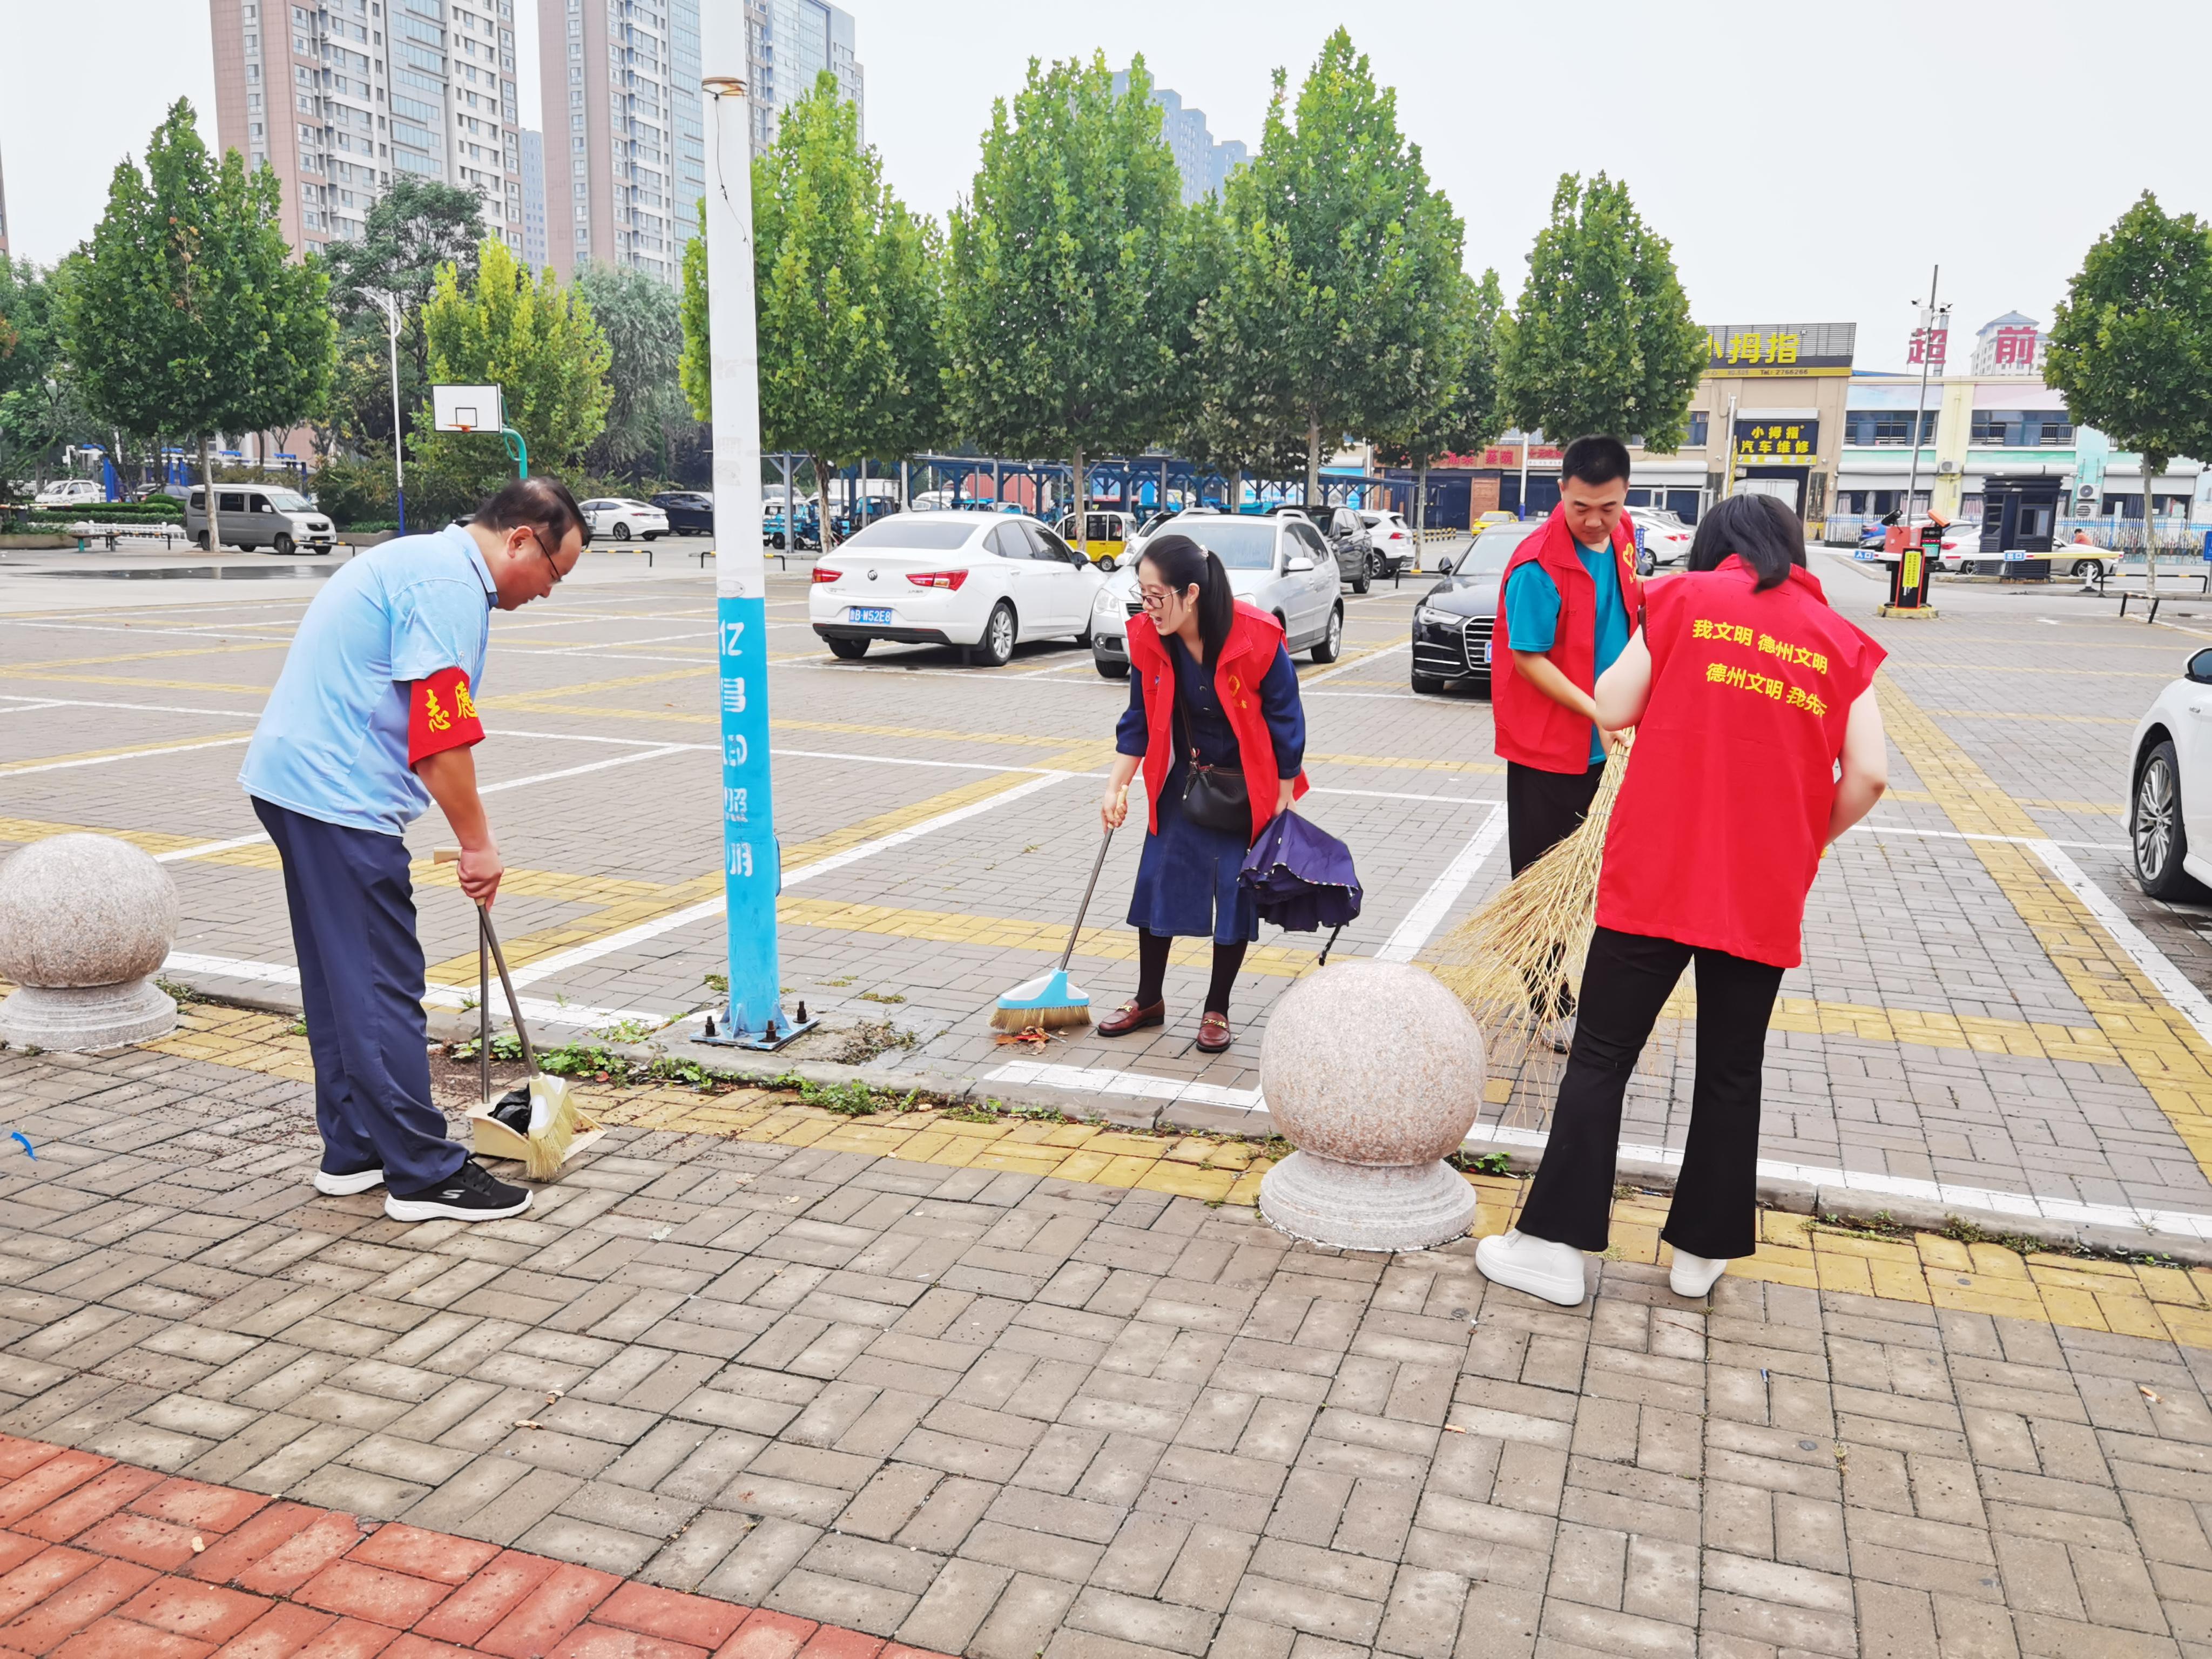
column 543, row 503
column 1596, row 459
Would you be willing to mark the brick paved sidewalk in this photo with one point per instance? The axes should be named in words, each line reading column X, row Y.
column 983, row 1411
column 100, row 1560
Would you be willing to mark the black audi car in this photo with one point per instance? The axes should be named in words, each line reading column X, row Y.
column 1453, row 623
column 690, row 511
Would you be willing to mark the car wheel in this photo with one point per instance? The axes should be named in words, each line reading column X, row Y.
column 996, row 648
column 622, row 532
column 200, row 541
column 2089, row 570
column 1361, row 582
column 1331, row 640
column 282, row 547
column 1375, row 571
column 1427, row 684
column 652, row 536
column 2155, row 830
column 848, row 650
column 1110, row 670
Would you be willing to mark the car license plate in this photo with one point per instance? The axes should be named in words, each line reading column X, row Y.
column 1486, row 653
column 863, row 614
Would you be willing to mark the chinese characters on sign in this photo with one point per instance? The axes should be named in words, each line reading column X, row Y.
column 1780, row 351
column 1776, row 443
column 2015, row 348
column 1927, row 345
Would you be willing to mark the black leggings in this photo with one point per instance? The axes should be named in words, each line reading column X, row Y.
column 1626, row 982
column 1152, row 970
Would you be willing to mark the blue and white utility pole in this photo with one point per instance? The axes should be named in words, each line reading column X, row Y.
column 751, row 867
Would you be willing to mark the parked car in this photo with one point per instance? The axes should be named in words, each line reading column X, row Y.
column 1397, row 549
column 259, row 515
column 621, row 518
column 71, row 492
column 1102, row 535
column 1345, row 532
column 2170, row 787
column 1661, row 538
column 1454, row 620
column 690, row 511
column 1277, row 563
column 977, row 580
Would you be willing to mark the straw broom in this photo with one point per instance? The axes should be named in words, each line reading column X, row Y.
column 1507, row 959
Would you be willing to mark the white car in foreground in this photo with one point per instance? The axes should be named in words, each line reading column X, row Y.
column 2170, row 786
column 977, row 580
column 623, row 519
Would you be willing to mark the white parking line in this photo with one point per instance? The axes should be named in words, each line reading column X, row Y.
column 108, row 760
column 1360, row 661
column 2173, row 984
column 535, row 1010
column 1412, row 934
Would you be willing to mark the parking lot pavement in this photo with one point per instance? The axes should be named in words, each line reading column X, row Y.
column 978, row 1410
column 1989, row 1016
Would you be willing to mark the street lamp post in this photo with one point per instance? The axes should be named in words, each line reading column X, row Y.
column 752, row 873
column 398, row 467
column 1930, row 316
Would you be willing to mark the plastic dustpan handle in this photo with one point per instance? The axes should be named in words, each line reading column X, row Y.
column 1083, row 909
column 513, row 1002
column 485, row 936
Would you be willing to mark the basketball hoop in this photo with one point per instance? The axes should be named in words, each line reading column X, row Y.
column 467, row 408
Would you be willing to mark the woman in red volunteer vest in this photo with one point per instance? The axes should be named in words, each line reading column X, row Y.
column 1746, row 691
column 1210, row 685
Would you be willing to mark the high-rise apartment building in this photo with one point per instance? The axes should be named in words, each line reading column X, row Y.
column 1204, row 164
column 625, row 135
column 343, row 96
column 534, row 252
column 791, row 42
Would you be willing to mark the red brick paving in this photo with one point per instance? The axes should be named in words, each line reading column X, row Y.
column 97, row 1562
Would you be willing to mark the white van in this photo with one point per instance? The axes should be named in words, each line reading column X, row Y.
column 259, row 515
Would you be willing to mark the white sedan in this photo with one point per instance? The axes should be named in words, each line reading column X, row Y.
column 1661, row 534
column 980, row 581
column 2170, row 787
column 1396, row 549
column 623, row 519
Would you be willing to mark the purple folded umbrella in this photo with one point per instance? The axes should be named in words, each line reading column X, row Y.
column 1301, row 876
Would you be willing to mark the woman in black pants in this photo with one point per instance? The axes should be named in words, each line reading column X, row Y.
column 1210, row 687
column 1758, row 741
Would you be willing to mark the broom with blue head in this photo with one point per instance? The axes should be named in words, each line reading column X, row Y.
column 1049, row 1002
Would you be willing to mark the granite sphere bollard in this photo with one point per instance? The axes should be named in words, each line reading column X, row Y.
column 85, row 923
column 1373, row 1070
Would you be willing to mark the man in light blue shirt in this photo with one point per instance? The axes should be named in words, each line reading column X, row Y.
column 372, row 718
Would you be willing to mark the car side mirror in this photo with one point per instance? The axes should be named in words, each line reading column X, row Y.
column 1444, row 566
column 2200, row 667
column 1298, row 563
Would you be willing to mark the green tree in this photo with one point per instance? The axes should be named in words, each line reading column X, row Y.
column 1457, row 408
column 40, row 407
column 1602, row 340
column 1059, row 324
column 846, row 298
column 2131, row 343
column 408, row 232
column 645, row 339
column 185, row 312
column 1344, row 262
column 535, row 340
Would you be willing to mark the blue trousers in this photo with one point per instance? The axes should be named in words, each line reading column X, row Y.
column 361, row 978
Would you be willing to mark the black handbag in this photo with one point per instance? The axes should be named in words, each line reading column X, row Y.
column 1215, row 797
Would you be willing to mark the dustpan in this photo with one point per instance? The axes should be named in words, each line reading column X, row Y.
column 512, row 1126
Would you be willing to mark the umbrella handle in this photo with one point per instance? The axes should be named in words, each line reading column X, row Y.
column 1331, row 945
column 1089, row 887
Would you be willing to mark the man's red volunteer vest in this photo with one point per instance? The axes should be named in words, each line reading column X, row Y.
column 1530, row 728
column 1244, row 663
column 1717, row 833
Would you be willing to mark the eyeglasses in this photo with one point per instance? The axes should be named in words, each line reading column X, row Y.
column 538, row 536
column 1154, row 598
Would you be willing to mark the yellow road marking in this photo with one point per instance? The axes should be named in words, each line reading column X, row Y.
column 2156, row 1043
column 2163, row 1304
column 138, row 682
column 2023, row 714
column 2018, row 668
column 36, row 669
column 170, row 743
column 2025, row 800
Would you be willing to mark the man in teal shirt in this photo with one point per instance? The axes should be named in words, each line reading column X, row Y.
column 1532, row 602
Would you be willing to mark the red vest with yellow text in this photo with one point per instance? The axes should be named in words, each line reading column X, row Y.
column 1530, row 728
column 1716, row 834
column 1244, row 663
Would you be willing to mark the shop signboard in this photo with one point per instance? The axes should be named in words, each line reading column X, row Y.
column 1775, row 443
column 1779, row 351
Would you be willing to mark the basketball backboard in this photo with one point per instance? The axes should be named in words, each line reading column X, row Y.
column 466, row 408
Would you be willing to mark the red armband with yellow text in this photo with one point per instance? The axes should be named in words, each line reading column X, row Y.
column 441, row 715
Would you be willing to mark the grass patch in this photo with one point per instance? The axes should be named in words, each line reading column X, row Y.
column 180, row 993
column 1489, row 1163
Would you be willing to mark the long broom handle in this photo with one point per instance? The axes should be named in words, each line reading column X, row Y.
column 486, row 936
column 1089, row 887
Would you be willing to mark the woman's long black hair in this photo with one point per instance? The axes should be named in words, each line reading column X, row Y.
column 1759, row 530
column 1183, row 564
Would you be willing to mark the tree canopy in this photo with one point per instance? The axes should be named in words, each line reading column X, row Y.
column 1059, row 324
column 1456, row 409
column 637, row 313
column 39, row 406
column 1343, row 262
column 1602, row 340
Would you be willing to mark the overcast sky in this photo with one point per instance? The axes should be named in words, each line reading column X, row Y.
column 1808, row 162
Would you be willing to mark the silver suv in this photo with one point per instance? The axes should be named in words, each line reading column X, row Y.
column 259, row 515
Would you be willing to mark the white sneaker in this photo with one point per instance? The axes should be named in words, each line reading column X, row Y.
column 1694, row 1276
column 1538, row 1266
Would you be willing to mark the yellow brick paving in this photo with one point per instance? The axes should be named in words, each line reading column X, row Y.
column 2151, row 1036
column 2166, row 1304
